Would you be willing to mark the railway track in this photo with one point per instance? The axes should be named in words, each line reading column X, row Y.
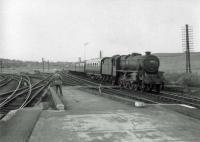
column 161, row 98
column 5, row 81
column 112, row 90
column 26, row 94
column 184, row 99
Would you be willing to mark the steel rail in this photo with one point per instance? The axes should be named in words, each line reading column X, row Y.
column 5, row 83
column 10, row 96
column 71, row 81
column 25, row 91
column 183, row 100
column 160, row 97
column 109, row 90
column 28, row 94
column 9, row 92
column 129, row 95
column 181, row 95
column 2, row 81
column 81, row 80
column 35, row 94
column 47, row 79
column 25, row 95
column 19, row 94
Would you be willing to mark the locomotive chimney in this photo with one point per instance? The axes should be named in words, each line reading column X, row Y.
column 148, row 53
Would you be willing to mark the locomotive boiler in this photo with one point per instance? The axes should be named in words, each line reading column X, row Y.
column 140, row 72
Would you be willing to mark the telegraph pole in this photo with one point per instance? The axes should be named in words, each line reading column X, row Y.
column 1, row 62
column 43, row 64
column 187, row 50
column 187, row 37
column 48, row 65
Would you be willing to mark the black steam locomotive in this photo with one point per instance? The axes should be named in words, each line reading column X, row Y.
column 133, row 71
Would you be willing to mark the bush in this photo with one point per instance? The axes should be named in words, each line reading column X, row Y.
column 183, row 79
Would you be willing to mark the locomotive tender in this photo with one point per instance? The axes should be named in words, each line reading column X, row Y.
column 133, row 71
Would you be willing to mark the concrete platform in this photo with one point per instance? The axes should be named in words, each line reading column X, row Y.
column 19, row 127
column 56, row 99
column 92, row 118
column 186, row 110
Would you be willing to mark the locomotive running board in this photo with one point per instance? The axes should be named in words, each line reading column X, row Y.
column 126, row 71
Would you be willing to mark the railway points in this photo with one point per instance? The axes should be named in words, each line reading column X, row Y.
column 25, row 93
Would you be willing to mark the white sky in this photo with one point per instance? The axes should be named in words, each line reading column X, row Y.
column 58, row 29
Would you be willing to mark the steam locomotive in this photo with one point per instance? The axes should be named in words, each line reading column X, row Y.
column 133, row 71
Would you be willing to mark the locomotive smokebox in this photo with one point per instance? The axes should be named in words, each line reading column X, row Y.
column 147, row 53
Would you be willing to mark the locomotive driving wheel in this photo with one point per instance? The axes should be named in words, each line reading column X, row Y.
column 126, row 85
column 135, row 86
column 120, row 83
column 143, row 87
column 131, row 86
column 157, row 88
column 149, row 88
column 113, row 82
